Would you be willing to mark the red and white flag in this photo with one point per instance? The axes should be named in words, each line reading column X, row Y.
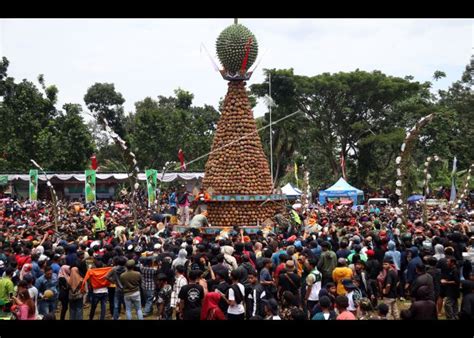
column 343, row 165
column 181, row 159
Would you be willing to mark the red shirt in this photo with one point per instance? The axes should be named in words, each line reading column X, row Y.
column 22, row 260
column 278, row 269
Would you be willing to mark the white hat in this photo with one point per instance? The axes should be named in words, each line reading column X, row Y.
column 297, row 206
column 157, row 246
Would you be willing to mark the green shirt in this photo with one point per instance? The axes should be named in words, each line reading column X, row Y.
column 99, row 222
column 6, row 288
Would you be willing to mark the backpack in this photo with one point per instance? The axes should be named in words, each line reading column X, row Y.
column 239, row 297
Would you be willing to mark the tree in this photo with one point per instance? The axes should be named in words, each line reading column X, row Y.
column 103, row 100
column 159, row 128
column 358, row 114
column 37, row 130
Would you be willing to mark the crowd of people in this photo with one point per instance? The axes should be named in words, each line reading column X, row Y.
column 331, row 262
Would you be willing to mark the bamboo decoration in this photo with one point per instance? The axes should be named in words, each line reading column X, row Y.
column 403, row 160
column 465, row 185
column 129, row 157
column 54, row 197
column 426, row 182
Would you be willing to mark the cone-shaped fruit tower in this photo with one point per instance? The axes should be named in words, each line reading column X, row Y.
column 237, row 172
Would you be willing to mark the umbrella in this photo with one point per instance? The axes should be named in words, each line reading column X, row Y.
column 415, row 198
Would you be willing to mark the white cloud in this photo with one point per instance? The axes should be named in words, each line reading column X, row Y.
column 151, row 57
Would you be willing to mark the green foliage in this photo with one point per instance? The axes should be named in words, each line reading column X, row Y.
column 102, row 100
column 37, row 130
column 159, row 128
column 360, row 114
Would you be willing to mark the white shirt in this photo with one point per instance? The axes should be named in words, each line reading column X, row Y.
column 314, row 281
column 100, row 290
column 351, row 306
column 33, row 291
column 236, row 309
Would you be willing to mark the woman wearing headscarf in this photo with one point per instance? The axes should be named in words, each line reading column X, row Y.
column 63, row 275
column 181, row 259
column 439, row 252
column 75, row 296
column 210, row 307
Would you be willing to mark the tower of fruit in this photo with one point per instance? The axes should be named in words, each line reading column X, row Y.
column 237, row 173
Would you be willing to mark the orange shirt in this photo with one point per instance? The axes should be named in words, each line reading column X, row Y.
column 338, row 275
column 97, row 277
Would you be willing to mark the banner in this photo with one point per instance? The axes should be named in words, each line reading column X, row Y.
column 33, row 185
column 343, row 166
column 296, row 175
column 181, row 159
column 452, row 196
column 90, row 186
column 151, row 183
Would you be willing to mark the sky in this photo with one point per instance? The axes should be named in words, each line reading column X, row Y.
column 151, row 57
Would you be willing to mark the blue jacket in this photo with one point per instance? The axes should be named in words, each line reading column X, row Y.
column 276, row 258
column 392, row 252
column 411, row 268
column 43, row 284
column 36, row 270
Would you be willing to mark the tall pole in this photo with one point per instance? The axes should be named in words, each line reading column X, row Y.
column 236, row 21
column 271, row 136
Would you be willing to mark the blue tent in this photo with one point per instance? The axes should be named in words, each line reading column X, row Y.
column 415, row 198
column 340, row 189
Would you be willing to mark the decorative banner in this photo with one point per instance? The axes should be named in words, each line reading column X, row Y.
column 296, row 175
column 33, row 185
column 343, row 166
column 403, row 161
column 3, row 180
column 426, row 184
column 151, row 182
column 181, row 159
column 452, row 196
column 90, row 186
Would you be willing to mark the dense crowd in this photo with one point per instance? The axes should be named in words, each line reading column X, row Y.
column 318, row 263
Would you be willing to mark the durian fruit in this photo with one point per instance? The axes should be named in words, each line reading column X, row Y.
column 231, row 46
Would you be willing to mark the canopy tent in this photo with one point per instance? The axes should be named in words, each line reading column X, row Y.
column 290, row 191
column 340, row 189
column 415, row 198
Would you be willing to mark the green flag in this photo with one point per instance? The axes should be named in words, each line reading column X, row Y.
column 3, row 179
column 90, row 186
column 151, row 175
column 33, row 185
